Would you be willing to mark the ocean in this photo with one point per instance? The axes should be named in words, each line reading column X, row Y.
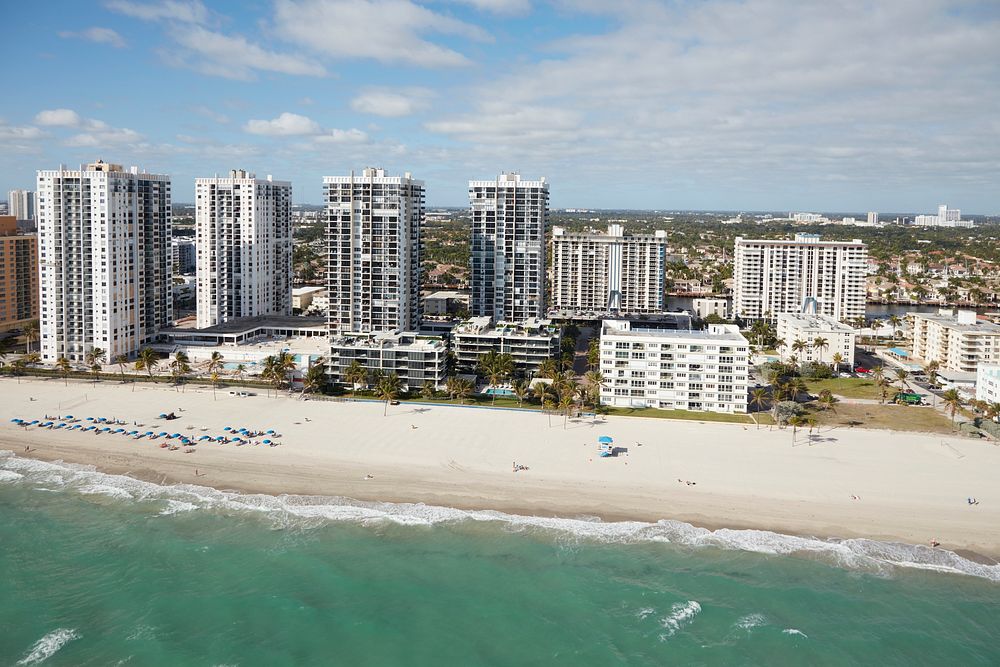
column 99, row 569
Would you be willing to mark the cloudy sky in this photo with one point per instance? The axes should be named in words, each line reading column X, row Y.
column 834, row 105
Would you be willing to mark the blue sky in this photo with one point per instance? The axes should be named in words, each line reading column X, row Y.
column 849, row 105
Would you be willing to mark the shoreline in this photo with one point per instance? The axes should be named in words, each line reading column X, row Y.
column 911, row 487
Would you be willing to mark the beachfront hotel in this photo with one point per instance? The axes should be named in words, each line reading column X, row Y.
column 674, row 369
column 529, row 343
column 807, row 327
column 414, row 359
column 373, row 232
column 243, row 231
column 957, row 341
column 780, row 276
column 509, row 217
column 18, row 275
column 613, row 272
column 104, row 260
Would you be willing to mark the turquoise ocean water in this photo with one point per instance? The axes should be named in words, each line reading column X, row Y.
column 104, row 570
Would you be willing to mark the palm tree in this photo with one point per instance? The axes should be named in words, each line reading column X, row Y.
column 828, row 400
column 931, row 369
column 594, row 381
column 895, row 321
column 269, row 372
column 387, row 389
column 94, row 359
column 952, row 402
column 566, row 403
column 121, row 360
column 30, row 334
column 240, row 371
column 64, row 367
column 838, row 360
column 496, row 367
column 315, row 377
column 901, row 375
column 428, row 389
column 354, row 375
column 799, row 346
column 548, row 368
column 758, row 399
column 180, row 367
column 820, row 344
column 147, row 360
column 5, row 347
column 594, row 353
column 215, row 362
column 464, row 389
column 795, row 421
column 214, row 379
column 285, row 362
column 522, row 389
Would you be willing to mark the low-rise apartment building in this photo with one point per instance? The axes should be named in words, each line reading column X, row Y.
column 529, row 342
column 413, row 358
column 957, row 341
column 988, row 383
column 806, row 327
column 676, row 370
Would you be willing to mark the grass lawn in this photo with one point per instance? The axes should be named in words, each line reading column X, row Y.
column 691, row 416
column 892, row 417
column 848, row 387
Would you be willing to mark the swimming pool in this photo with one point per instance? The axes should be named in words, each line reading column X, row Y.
column 498, row 391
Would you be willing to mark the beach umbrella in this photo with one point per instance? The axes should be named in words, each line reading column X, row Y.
column 204, row 437
column 68, row 417
column 606, row 438
column 266, row 442
column 60, row 425
column 227, row 428
column 270, row 431
column 15, row 420
column 119, row 430
column 90, row 419
column 163, row 415
column 33, row 422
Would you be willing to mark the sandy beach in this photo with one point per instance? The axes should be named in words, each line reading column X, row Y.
column 838, row 483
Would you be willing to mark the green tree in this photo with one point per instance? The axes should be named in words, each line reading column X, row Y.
column 758, row 399
column 522, row 390
column 64, row 367
column 147, row 360
column 121, row 360
column 94, row 359
column 952, row 402
column 315, row 377
column 355, row 375
column 387, row 389
column 821, row 345
column 30, row 334
column 180, row 367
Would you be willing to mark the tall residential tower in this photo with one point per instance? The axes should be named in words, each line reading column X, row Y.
column 373, row 231
column 782, row 276
column 244, row 247
column 104, row 256
column 608, row 273
column 509, row 217
column 21, row 204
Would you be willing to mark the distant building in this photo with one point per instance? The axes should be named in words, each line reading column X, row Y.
column 704, row 307
column 674, row 370
column 608, row 273
column 946, row 217
column 21, row 204
column 872, row 218
column 988, row 383
column 958, row 341
column 414, row 359
column 807, row 327
column 184, row 253
column 243, row 226
column 806, row 217
column 303, row 297
column 104, row 251
column 445, row 302
column 18, row 275
column 509, row 217
column 530, row 342
column 373, row 224
column 782, row 276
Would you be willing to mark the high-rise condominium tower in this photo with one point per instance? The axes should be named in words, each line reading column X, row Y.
column 373, row 230
column 611, row 272
column 104, row 256
column 782, row 276
column 509, row 217
column 21, row 204
column 244, row 247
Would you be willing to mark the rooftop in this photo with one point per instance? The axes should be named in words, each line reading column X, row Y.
column 817, row 322
column 249, row 323
column 715, row 332
column 961, row 321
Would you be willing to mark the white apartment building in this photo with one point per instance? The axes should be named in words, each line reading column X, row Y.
column 608, row 273
column 675, row 370
column 957, row 341
column 873, row 218
column 413, row 358
column 105, row 260
column 946, row 217
column 988, row 383
column 184, row 255
column 710, row 306
column 243, row 227
column 373, row 229
column 21, row 204
column 783, row 276
column 509, row 217
column 529, row 343
column 807, row 327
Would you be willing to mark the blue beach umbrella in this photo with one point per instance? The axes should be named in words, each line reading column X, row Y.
column 90, row 419
column 227, row 428
column 33, row 422
column 606, row 438
column 266, row 442
column 270, row 431
column 68, row 417
column 15, row 420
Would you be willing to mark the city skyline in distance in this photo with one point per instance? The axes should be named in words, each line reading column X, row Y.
column 643, row 106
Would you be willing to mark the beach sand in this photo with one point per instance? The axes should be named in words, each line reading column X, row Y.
column 910, row 487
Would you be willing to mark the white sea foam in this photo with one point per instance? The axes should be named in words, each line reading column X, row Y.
column 10, row 476
column 46, row 647
column 681, row 613
column 750, row 621
column 793, row 631
column 304, row 512
column 645, row 612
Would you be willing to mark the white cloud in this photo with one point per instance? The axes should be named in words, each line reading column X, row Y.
column 390, row 103
column 58, row 118
column 232, row 57
column 106, row 136
column 190, row 11
column 98, row 36
column 385, row 30
column 211, row 114
column 19, row 132
column 352, row 136
column 499, row 6
column 287, row 124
